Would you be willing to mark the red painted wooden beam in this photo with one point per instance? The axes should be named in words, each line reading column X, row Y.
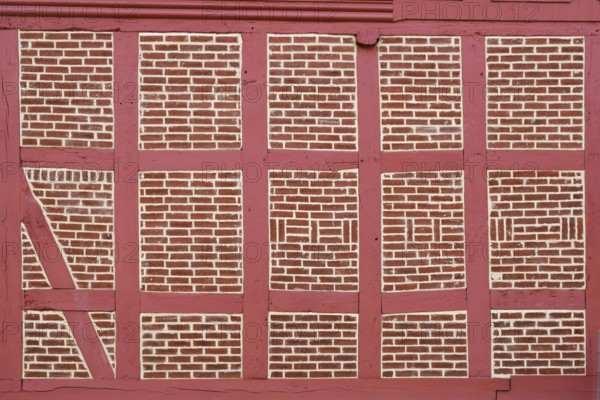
column 284, row 389
column 319, row 302
column 424, row 301
column 198, row 303
column 64, row 157
column 312, row 160
column 70, row 300
column 592, row 199
column 189, row 160
column 126, row 210
column 10, row 227
column 476, row 208
column 348, row 10
column 255, row 212
column 536, row 160
column 538, row 299
column 410, row 161
column 369, row 190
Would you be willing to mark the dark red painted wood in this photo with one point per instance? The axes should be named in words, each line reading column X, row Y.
column 423, row 301
column 10, row 228
column 476, row 209
column 369, row 190
column 312, row 160
column 255, row 210
column 536, row 160
column 126, row 210
column 409, row 161
column 307, row 10
column 538, row 299
column 319, row 302
column 69, row 300
column 285, row 389
column 179, row 160
column 592, row 200
column 550, row 388
column 64, row 157
column 191, row 303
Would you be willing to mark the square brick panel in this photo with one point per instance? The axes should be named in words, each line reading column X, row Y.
column 311, row 345
column 66, row 89
column 314, row 230
column 420, row 85
column 536, row 230
column 423, row 230
column 535, row 92
column 312, row 92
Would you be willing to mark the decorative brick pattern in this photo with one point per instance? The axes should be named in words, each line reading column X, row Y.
column 314, row 230
column 536, row 230
column 310, row 345
column 423, row 230
column 66, row 89
column 538, row 342
column 535, row 92
column 49, row 349
column 420, row 86
column 79, row 208
column 424, row 345
column 34, row 276
column 191, row 346
column 105, row 325
column 312, row 92
column 190, row 91
column 191, row 231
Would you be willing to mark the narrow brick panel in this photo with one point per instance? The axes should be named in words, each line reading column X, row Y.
column 311, row 345
column 314, row 230
column 312, row 92
column 191, row 346
column 535, row 92
column 420, row 85
column 190, row 91
column 105, row 326
column 536, row 230
column 49, row 349
column 540, row 342
column 34, row 276
column 423, row 230
column 79, row 208
column 66, row 89
column 191, row 231
column 424, row 345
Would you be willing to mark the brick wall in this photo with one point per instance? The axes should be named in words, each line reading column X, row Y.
column 311, row 345
column 424, row 345
column 423, row 230
column 191, row 231
column 66, row 89
column 538, row 342
column 420, row 86
column 79, row 208
column 536, row 229
column 535, row 92
column 314, row 230
column 49, row 349
column 312, row 92
column 191, row 346
column 190, row 91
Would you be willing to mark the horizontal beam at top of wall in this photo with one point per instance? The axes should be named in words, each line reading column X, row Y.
column 311, row 10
